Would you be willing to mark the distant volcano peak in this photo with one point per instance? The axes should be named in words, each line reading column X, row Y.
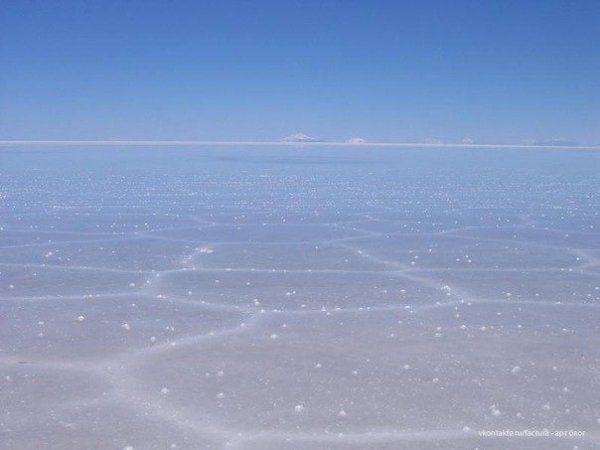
column 356, row 140
column 301, row 137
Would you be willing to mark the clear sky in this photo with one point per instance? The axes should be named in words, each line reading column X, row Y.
column 503, row 71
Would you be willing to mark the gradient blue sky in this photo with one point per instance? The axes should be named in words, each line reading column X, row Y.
column 503, row 71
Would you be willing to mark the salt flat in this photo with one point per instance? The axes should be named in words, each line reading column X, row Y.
column 298, row 298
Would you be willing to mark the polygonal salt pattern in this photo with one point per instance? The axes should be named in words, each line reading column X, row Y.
column 298, row 298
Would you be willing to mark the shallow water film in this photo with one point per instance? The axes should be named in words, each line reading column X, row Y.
column 299, row 298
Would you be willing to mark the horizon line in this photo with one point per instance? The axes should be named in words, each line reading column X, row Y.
column 101, row 142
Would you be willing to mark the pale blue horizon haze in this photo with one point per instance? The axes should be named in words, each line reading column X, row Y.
column 493, row 72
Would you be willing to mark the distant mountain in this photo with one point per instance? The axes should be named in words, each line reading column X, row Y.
column 356, row 140
column 301, row 137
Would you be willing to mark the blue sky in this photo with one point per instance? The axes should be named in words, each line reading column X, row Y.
column 503, row 71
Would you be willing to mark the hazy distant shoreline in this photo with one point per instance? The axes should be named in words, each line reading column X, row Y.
column 290, row 144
